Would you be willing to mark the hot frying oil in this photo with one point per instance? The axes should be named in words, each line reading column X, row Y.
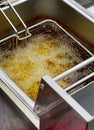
column 43, row 55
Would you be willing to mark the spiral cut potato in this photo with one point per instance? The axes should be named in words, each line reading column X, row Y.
column 42, row 55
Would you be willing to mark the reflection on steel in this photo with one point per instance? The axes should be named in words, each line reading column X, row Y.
column 54, row 109
column 27, row 33
column 75, row 68
column 23, row 102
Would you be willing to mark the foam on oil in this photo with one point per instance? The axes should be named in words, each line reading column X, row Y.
column 43, row 55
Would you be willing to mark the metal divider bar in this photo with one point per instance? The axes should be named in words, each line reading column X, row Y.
column 79, row 82
column 27, row 33
column 75, row 68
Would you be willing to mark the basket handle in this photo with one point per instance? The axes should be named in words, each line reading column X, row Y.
column 28, row 34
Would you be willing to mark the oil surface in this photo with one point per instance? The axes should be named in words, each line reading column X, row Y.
column 42, row 55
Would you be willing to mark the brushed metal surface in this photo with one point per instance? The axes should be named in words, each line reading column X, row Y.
column 10, row 116
column 33, row 11
column 85, row 97
column 59, row 107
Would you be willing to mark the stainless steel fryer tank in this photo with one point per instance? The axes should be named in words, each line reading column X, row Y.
column 32, row 11
column 63, row 106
